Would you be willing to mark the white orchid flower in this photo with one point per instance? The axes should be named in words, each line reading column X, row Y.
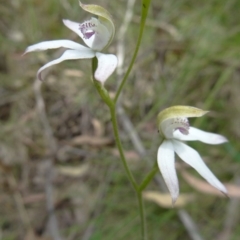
column 97, row 33
column 174, row 127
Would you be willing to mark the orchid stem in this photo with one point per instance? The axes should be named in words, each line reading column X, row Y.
column 142, row 216
column 112, row 107
column 128, row 172
column 145, row 7
column 148, row 178
column 111, row 103
column 138, row 189
column 120, row 148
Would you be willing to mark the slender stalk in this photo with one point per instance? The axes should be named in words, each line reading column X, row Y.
column 129, row 174
column 148, row 178
column 120, row 148
column 112, row 107
column 145, row 7
column 142, row 216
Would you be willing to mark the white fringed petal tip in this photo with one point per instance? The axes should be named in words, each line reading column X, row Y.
column 176, row 129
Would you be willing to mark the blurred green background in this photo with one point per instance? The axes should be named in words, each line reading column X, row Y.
column 189, row 55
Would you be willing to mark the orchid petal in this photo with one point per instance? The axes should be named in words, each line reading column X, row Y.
column 99, row 37
column 55, row 44
column 166, row 164
column 67, row 55
column 107, row 63
column 197, row 134
column 191, row 157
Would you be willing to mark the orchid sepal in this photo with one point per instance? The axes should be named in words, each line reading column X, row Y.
column 179, row 111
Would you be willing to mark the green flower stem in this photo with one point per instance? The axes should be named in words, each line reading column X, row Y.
column 120, row 148
column 128, row 172
column 142, row 215
column 99, row 86
column 148, row 178
column 138, row 189
column 104, row 94
column 145, row 7
column 112, row 107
